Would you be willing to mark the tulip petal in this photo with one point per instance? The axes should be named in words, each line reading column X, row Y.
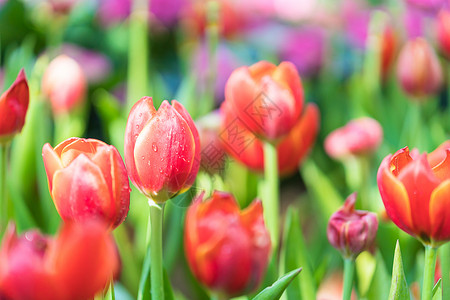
column 293, row 149
column 442, row 169
column 399, row 160
column 83, row 249
column 141, row 113
column 419, row 182
column 120, row 186
column 61, row 146
column 395, row 197
column 260, row 69
column 439, row 154
column 52, row 163
column 80, row 190
column 286, row 75
column 196, row 165
column 440, row 213
column 14, row 105
column 79, row 146
column 164, row 153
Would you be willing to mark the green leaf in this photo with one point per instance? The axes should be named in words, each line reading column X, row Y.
column 276, row 290
column 399, row 286
column 380, row 281
column 437, row 290
column 144, row 284
column 294, row 254
column 328, row 198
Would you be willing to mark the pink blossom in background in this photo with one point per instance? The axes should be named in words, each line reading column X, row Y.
column 431, row 6
column 305, row 48
column 294, row 10
column 359, row 136
column 355, row 18
column 111, row 12
column 167, row 11
column 96, row 66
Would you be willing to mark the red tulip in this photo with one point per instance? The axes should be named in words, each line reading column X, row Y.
column 424, row 76
column 415, row 190
column 242, row 145
column 359, row 136
column 64, row 83
column 13, row 108
column 76, row 264
column 352, row 231
column 87, row 178
column 443, row 31
column 267, row 99
column 162, row 149
column 227, row 249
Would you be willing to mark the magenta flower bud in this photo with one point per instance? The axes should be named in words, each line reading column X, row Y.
column 352, row 231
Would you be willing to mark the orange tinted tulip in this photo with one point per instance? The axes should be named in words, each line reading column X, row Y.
column 87, row 178
column 242, row 145
column 162, row 149
column 267, row 99
column 13, row 108
column 76, row 264
column 416, row 192
column 227, row 249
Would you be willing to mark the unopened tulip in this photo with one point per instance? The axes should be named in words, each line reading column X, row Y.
column 415, row 190
column 388, row 47
column 243, row 146
column 443, row 32
column 267, row 99
column 87, row 178
column 162, row 149
column 64, row 83
column 418, row 69
column 359, row 136
column 352, row 231
column 227, row 249
column 76, row 264
column 13, row 108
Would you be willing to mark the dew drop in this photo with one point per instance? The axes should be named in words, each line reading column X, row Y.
column 155, row 147
column 143, row 157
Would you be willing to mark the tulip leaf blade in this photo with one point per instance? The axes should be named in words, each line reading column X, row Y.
column 276, row 290
column 380, row 280
column 437, row 290
column 294, row 253
column 399, row 287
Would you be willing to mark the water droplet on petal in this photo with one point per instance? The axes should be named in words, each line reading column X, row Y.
column 155, row 147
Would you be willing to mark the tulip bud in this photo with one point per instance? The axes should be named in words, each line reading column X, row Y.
column 13, row 108
column 162, row 149
column 359, row 136
column 87, row 178
column 443, row 32
column 267, row 99
column 352, row 231
column 424, row 76
column 76, row 264
column 388, row 47
column 64, row 83
column 227, row 249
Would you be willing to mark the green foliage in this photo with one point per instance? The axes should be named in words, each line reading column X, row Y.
column 275, row 291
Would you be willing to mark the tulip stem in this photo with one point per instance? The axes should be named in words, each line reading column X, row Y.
column 3, row 191
column 349, row 269
column 156, row 259
column 271, row 199
column 444, row 255
column 428, row 274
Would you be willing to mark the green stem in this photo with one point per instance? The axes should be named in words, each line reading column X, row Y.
column 271, row 201
column 349, row 269
column 137, row 84
column 428, row 273
column 444, row 255
column 156, row 259
column 3, row 191
column 111, row 294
